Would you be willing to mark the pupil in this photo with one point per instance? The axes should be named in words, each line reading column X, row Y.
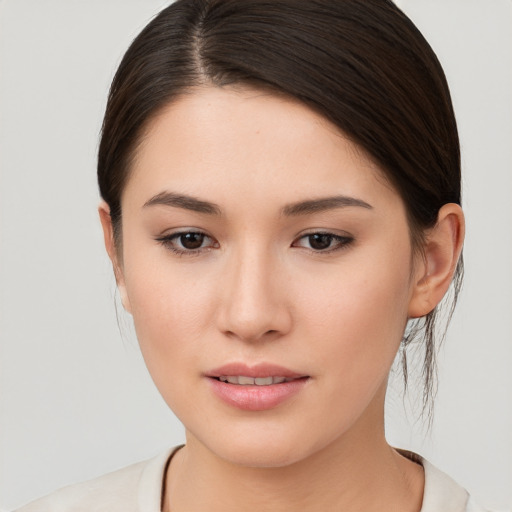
column 320, row 242
column 192, row 240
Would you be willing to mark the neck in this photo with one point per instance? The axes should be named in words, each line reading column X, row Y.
column 358, row 472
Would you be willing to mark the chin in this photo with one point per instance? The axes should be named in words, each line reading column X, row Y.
column 261, row 455
column 264, row 445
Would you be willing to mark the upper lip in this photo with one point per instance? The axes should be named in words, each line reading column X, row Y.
column 257, row 370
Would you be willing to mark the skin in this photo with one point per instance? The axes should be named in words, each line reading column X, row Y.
column 258, row 291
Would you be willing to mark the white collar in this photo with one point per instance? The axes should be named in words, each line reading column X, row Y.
column 441, row 492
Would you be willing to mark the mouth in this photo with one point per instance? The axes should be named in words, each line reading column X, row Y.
column 243, row 380
column 250, row 375
column 256, row 388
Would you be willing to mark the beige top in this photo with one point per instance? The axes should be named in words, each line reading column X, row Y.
column 139, row 488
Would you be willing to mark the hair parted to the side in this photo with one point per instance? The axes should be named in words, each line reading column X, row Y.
column 360, row 63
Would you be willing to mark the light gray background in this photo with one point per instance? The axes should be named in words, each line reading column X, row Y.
column 75, row 398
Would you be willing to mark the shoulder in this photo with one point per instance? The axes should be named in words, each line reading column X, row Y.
column 133, row 488
column 473, row 506
column 108, row 492
column 441, row 491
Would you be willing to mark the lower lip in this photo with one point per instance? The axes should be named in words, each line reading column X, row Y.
column 256, row 398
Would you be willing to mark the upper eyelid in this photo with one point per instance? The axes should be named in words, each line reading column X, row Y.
column 169, row 235
column 326, row 233
column 176, row 234
column 343, row 242
column 309, row 232
column 318, row 231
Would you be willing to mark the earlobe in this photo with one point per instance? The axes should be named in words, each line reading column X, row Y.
column 112, row 251
column 443, row 245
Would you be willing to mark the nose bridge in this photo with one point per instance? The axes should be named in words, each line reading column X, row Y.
column 253, row 302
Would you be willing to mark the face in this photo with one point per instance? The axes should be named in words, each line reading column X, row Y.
column 267, row 265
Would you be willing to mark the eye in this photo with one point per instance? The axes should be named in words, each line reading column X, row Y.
column 190, row 241
column 323, row 242
column 187, row 242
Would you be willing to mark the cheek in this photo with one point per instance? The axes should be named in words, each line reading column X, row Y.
column 171, row 309
column 353, row 326
column 359, row 313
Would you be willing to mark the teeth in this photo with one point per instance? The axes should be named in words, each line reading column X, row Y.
column 242, row 380
column 263, row 381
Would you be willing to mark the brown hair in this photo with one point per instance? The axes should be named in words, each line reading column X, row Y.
column 361, row 63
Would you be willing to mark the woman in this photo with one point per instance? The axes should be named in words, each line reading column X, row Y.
column 281, row 203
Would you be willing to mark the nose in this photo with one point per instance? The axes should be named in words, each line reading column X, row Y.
column 253, row 304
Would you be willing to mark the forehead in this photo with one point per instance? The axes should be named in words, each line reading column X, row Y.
column 244, row 141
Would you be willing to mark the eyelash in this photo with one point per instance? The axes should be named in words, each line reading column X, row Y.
column 168, row 241
column 341, row 241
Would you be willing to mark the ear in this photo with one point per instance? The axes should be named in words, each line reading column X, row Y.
column 434, row 273
column 112, row 250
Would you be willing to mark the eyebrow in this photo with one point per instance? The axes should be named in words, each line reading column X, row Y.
column 310, row 206
column 323, row 204
column 183, row 201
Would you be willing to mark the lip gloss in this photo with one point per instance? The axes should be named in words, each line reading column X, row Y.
column 253, row 397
